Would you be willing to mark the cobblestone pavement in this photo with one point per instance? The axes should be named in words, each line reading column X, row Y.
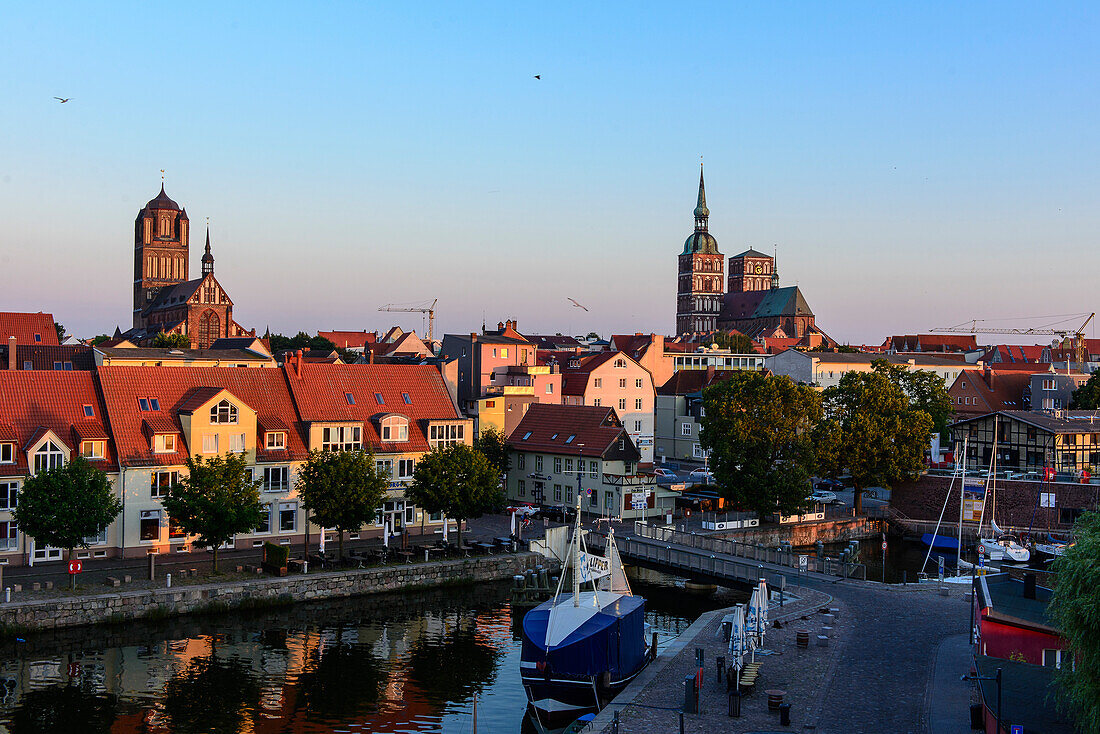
column 875, row 675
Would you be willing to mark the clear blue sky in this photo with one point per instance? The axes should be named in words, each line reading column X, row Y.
column 916, row 166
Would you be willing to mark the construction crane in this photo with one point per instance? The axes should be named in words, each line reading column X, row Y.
column 1077, row 334
column 429, row 309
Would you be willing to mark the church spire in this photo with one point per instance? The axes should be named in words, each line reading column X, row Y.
column 702, row 214
column 775, row 268
column 207, row 258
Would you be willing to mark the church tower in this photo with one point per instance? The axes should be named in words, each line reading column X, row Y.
column 700, row 275
column 161, row 235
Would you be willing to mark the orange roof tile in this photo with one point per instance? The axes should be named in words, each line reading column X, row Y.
column 28, row 328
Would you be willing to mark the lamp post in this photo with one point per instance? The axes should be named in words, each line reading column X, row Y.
column 997, row 678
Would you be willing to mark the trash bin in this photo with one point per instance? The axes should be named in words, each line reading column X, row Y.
column 785, row 714
column 977, row 716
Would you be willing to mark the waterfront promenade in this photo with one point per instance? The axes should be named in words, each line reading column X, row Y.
column 877, row 674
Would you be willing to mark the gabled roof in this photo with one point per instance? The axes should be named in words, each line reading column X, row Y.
column 1028, row 694
column 197, row 397
column 246, row 343
column 556, row 341
column 577, row 367
column 1065, row 421
column 750, row 253
column 349, row 339
column 1002, row 597
column 26, row 326
column 182, row 387
column 776, row 302
column 690, row 382
column 172, row 354
column 173, row 296
column 38, row 401
column 933, row 343
column 44, row 357
column 594, row 430
column 998, row 391
column 320, row 395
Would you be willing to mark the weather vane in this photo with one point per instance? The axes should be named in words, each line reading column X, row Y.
column 162, row 176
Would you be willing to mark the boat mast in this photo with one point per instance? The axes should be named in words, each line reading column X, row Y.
column 577, row 555
column 962, row 494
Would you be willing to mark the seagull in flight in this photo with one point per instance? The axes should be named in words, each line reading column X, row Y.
column 62, row 100
column 538, row 76
column 577, row 304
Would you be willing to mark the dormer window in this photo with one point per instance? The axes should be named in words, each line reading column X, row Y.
column 7, row 453
column 275, row 440
column 224, row 412
column 395, row 428
column 164, row 443
column 342, row 438
column 92, row 449
column 48, row 456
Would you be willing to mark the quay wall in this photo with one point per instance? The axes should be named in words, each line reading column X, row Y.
column 126, row 606
column 806, row 534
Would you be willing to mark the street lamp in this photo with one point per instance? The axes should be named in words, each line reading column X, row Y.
column 997, row 678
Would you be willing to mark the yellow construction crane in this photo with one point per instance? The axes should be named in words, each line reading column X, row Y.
column 429, row 309
column 1077, row 334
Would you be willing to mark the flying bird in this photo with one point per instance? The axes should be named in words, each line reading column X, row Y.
column 538, row 76
column 577, row 304
column 62, row 101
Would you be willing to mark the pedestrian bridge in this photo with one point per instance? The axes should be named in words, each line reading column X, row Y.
column 722, row 561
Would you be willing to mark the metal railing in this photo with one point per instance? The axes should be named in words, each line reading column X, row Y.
column 761, row 554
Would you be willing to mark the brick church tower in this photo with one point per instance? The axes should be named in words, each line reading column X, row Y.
column 161, row 237
column 699, row 285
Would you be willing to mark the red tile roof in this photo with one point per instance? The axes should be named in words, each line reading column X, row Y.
column 686, row 382
column 26, row 326
column 46, row 357
column 349, row 339
column 320, row 396
column 595, row 430
column 996, row 390
column 933, row 343
column 576, row 368
column 174, row 388
column 34, row 402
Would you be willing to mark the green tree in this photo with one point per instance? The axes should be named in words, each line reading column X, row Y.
column 302, row 341
column 164, row 340
column 216, row 500
column 870, row 430
column 926, row 391
column 60, row 331
column 66, row 505
column 759, row 430
column 494, row 445
column 734, row 341
column 1087, row 397
column 457, row 481
column 343, row 489
column 1075, row 608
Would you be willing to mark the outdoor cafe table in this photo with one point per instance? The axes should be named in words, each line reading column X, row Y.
column 406, row 554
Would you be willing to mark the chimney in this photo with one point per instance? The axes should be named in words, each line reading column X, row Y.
column 1029, row 586
column 298, row 356
column 500, row 326
column 710, row 374
column 11, row 352
column 473, row 337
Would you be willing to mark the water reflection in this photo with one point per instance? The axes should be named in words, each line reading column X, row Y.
column 389, row 663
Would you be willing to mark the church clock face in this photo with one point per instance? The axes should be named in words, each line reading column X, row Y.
column 759, row 268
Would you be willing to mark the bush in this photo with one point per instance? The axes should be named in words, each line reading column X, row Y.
column 275, row 558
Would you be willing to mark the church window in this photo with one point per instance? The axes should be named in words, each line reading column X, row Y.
column 209, row 328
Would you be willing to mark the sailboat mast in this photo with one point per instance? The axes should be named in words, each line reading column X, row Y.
column 962, row 494
column 577, row 556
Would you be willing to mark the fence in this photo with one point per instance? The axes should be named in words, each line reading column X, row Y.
column 777, row 556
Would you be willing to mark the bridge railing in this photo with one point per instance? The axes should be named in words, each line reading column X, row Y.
column 777, row 556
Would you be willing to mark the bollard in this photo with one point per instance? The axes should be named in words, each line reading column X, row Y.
column 721, row 660
column 735, row 704
column 699, row 657
column 425, row 555
column 7, row 594
column 615, row 723
column 690, row 697
column 653, row 647
column 822, row 641
column 681, row 722
column 305, row 566
column 152, row 566
column 802, row 638
column 785, row 714
column 168, row 580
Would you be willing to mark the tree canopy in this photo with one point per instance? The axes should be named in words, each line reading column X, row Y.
column 217, row 499
column 871, row 430
column 60, row 327
column 171, row 341
column 926, row 391
column 343, row 490
column 759, row 430
column 734, row 341
column 494, row 445
column 458, row 481
column 66, row 506
column 1087, row 397
column 1075, row 608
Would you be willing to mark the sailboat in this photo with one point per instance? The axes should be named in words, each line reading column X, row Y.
column 1001, row 546
column 581, row 648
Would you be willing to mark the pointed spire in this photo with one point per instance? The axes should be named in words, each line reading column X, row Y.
column 207, row 258
column 701, row 211
column 775, row 267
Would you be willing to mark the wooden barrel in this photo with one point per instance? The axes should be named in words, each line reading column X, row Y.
column 802, row 638
column 775, row 698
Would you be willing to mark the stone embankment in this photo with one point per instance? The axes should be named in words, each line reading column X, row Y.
column 127, row 606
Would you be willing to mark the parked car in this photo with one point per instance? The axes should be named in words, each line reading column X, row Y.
column 556, row 513
column 829, row 484
column 823, row 496
column 662, row 473
column 702, row 475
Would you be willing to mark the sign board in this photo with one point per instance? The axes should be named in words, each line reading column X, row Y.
column 884, row 545
column 981, row 549
column 972, row 509
column 74, row 567
column 1016, row 729
column 941, row 568
column 973, row 482
column 593, row 567
column 639, row 500
column 1046, row 499
column 981, row 561
column 803, row 562
column 677, row 487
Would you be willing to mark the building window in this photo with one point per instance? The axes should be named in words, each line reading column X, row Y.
column 385, row 467
column 521, row 488
column 598, row 382
column 504, row 352
column 406, row 399
column 568, row 495
column 7, row 453
column 175, row 532
column 350, row 398
column 685, row 428
column 446, row 435
column 395, row 429
column 638, row 404
column 48, row 456
column 557, row 493
column 164, row 443
column 264, row 526
column 160, row 482
column 568, row 466
column 1052, row 658
column 521, row 461
column 237, row 443
column 288, row 517
column 620, row 363
column 224, row 413
column 596, row 402
column 1048, row 384
column 9, row 495
column 28, row 365
column 638, row 383
column 549, row 388
column 405, row 468
column 9, row 535
column 149, row 525
column 210, row 443
column 637, row 426
column 275, row 440
column 538, row 463
column 622, row 382
column 379, row 399
column 608, row 499
column 697, row 451
column 342, row 438
column 92, row 449
column 37, row 337
column 276, row 478
column 593, row 469
column 557, row 465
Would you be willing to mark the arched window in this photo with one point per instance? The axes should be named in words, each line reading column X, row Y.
column 209, row 328
column 48, row 456
column 224, row 412
column 395, row 428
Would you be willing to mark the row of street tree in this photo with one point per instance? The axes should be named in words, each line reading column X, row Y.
column 218, row 498
column 769, row 436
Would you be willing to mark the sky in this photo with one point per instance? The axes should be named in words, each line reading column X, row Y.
column 914, row 166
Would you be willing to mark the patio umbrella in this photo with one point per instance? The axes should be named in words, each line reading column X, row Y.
column 737, row 641
column 321, row 544
column 386, row 533
column 751, row 614
column 513, row 513
column 445, row 523
column 762, row 613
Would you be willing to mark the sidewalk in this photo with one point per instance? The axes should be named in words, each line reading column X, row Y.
column 949, row 702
